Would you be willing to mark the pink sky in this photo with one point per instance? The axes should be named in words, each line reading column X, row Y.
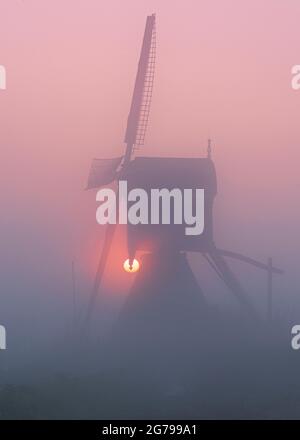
column 223, row 71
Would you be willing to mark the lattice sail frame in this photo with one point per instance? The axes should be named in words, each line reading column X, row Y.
column 147, row 94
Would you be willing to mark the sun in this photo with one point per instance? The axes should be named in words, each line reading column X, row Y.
column 134, row 268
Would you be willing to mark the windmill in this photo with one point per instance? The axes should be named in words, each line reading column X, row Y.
column 156, row 172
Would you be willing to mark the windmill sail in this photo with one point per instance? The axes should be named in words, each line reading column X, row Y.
column 141, row 99
column 109, row 235
column 103, row 172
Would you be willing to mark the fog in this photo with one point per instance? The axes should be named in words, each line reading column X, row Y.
column 223, row 72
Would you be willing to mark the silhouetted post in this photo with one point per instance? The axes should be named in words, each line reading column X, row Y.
column 270, row 291
column 74, row 296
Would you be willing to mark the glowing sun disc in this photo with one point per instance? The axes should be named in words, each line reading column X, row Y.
column 135, row 266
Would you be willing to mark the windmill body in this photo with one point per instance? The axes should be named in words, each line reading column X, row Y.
column 171, row 173
column 160, row 241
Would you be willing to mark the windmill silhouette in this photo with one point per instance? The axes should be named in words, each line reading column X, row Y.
column 165, row 245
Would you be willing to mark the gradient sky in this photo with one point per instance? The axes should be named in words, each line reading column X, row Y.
column 223, row 71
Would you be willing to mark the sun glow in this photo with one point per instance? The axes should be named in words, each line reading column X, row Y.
column 135, row 266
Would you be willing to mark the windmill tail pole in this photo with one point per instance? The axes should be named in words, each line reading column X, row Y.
column 233, row 284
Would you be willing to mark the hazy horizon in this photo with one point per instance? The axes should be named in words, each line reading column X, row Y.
column 223, row 72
